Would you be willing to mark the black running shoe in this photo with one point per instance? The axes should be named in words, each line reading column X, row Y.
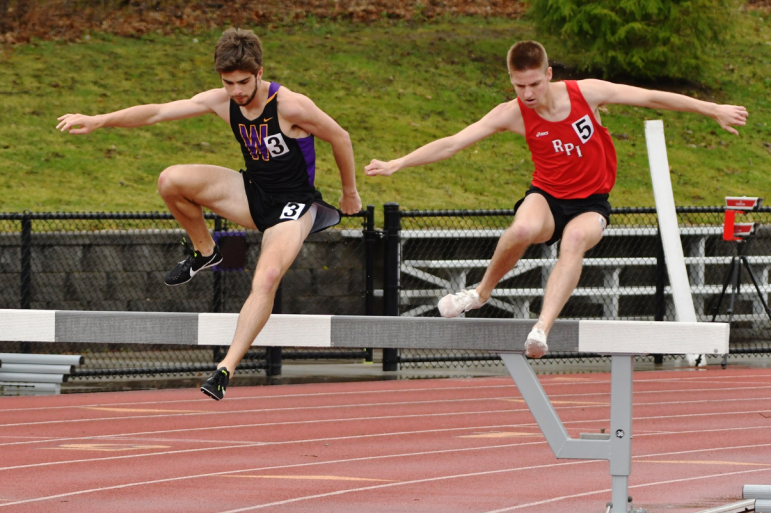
column 184, row 271
column 215, row 386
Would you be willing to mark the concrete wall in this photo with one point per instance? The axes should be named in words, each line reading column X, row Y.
column 124, row 270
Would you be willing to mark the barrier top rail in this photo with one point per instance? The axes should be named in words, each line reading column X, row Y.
column 588, row 336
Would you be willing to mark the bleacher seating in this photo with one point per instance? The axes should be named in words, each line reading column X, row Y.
column 433, row 278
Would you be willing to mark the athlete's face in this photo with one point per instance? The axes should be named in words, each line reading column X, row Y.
column 531, row 85
column 241, row 85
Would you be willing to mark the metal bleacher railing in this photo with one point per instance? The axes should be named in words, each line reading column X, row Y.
column 116, row 262
column 624, row 277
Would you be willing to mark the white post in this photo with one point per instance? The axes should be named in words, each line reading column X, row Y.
column 670, row 231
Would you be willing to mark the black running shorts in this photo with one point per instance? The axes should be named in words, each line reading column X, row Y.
column 563, row 210
column 271, row 208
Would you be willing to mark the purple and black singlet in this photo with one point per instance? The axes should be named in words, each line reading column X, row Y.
column 274, row 161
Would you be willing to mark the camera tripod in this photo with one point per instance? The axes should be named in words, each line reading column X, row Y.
column 733, row 277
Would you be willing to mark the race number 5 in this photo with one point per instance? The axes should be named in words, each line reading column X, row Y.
column 292, row 211
column 584, row 128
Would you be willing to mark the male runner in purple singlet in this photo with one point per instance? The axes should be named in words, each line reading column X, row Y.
column 274, row 194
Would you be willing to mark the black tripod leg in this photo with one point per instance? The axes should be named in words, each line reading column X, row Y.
column 728, row 275
column 757, row 287
column 735, row 289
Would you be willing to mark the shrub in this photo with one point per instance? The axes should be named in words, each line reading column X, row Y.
column 638, row 38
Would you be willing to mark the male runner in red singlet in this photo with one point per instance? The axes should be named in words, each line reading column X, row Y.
column 575, row 169
column 275, row 194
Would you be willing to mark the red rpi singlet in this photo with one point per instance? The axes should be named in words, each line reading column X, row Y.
column 574, row 158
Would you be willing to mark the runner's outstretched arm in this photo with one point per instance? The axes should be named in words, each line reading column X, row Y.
column 501, row 118
column 143, row 115
column 600, row 92
column 301, row 111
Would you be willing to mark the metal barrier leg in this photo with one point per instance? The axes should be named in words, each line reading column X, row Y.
column 617, row 449
column 536, row 399
column 622, row 368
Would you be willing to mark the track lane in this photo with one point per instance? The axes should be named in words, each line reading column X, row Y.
column 432, row 449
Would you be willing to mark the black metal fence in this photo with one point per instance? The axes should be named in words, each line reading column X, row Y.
column 101, row 261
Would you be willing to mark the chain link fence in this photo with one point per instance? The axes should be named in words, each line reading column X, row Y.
column 624, row 277
column 116, row 262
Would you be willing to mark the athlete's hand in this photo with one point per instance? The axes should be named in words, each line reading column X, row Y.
column 68, row 122
column 350, row 203
column 378, row 167
column 728, row 115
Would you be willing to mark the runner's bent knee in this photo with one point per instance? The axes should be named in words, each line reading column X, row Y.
column 266, row 279
column 534, row 221
column 583, row 234
column 524, row 232
column 575, row 239
column 170, row 179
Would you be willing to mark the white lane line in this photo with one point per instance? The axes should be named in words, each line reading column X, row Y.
column 520, row 506
column 136, row 436
column 679, row 402
column 369, row 458
column 370, row 392
column 263, row 397
column 474, row 429
column 692, row 377
column 238, row 426
column 250, row 444
column 643, row 485
column 696, row 431
column 549, row 501
column 255, row 444
column 260, row 410
column 388, row 417
column 545, row 383
column 286, row 423
column 391, row 485
column 475, row 474
column 296, row 465
column 39, row 438
column 132, row 456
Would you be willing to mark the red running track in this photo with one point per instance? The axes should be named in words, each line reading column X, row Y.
column 461, row 445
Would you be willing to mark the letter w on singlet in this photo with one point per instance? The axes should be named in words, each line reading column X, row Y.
column 253, row 141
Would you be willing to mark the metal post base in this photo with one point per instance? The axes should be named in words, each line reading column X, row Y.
column 617, row 448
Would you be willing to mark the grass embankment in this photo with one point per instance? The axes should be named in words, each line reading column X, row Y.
column 394, row 87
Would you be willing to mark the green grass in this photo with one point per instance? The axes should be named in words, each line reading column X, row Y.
column 393, row 86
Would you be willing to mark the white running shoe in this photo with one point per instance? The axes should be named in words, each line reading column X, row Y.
column 452, row 305
column 535, row 346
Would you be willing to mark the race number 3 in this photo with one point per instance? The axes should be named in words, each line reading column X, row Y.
column 276, row 145
column 584, row 128
column 292, row 211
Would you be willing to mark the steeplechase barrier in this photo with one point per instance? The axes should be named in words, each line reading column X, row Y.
column 622, row 340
